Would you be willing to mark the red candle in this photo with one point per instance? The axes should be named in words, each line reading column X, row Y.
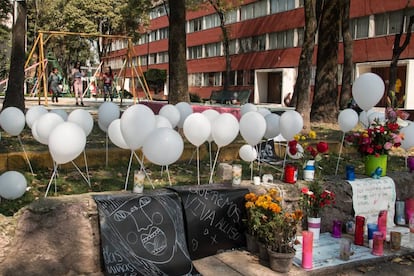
column 307, row 249
column 359, row 230
column 378, row 244
column 382, row 222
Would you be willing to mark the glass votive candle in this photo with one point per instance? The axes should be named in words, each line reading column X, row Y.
column 337, row 228
column 371, row 228
column 378, row 244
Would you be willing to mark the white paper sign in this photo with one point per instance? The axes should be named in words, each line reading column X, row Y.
column 371, row 195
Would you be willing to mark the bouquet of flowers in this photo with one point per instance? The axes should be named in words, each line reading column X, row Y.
column 314, row 198
column 377, row 139
column 270, row 223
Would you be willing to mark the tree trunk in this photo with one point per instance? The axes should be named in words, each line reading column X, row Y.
column 15, row 86
column 178, row 80
column 324, row 104
column 301, row 94
column 347, row 72
column 396, row 53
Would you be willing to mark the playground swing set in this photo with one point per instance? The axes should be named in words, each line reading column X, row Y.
column 40, row 81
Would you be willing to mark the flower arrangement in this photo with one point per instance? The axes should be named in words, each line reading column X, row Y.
column 378, row 138
column 270, row 223
column 314, row 198
column 296, row 151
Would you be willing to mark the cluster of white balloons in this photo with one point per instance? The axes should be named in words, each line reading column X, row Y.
column 139, row 128
column 64, row 134
column 258, row 123
column 13, row 185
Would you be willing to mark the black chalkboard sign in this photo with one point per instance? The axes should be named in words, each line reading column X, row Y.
column 213, row 215
column 143, row 234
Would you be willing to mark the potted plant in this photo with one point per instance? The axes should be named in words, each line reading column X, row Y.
column 375, row 141
column 313, row 199
column 274, row 227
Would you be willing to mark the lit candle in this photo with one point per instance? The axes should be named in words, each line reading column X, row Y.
column 307, row 249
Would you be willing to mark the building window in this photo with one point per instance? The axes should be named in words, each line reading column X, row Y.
column 195, row 52
column 232, row 78
column 213, row 49
column 259, row 43
column 390, row 23
column 158, row 12
column 152, row 58
column 195, row 25
column 232, row 47
column 300, row 37
column 212, row 79
column 231, row 17
column 245, row 45
column 360, row 27
column 195, row 79
column 254, row 10
column 163, row 57
column 281, row 40
column 211, row 21
column 239, row 77
column 281, row 5
column 163, row 33
column 143, row 60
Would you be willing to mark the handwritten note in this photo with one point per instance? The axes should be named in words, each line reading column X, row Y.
column 370, row 196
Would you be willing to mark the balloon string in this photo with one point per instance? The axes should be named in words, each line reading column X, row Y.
column 168, row 173
column 214, row 165
column 198, row 166
column 51, row 178
column 251, row 171
column 209, row 150
column 129, row 168
column 141, row 163
column 284, row 162
column 81, row 173
column 340, row 151
column 106, row 151
column 86, row 168
column 25, row 154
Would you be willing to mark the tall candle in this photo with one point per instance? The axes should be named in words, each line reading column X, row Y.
column 307, row 249
column 359, row 230
column 378, row 244
column 382, row 222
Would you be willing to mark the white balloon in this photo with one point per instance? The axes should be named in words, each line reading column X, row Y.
column 197, row 128
column 66, row 142
column 115, row 135
column 137, row 122
column 247, row 108
column 170, row 112
column 107, row 112
column 45, row 125
column 368, row 90
column 13, row 185
column 290, row 123
column 34, row 131
column 163, row 146
column 185, row 110
column 83, row 119
column 248, row 153
column 161, row 121
column 62, row 113
column 34, row 113
column 252, row 127
column 264, row 111
column 408, row 133
column 12, row 120
column 224, row 129
column 211, row 115
column 272, row 126
column 347, row 119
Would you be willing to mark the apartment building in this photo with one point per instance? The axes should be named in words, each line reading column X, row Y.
column 265, row 43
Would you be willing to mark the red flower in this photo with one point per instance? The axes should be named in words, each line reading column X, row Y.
column 322, row 147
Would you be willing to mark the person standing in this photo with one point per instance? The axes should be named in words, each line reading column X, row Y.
column 77, row 83
column 108, row 78
column 53, row 83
